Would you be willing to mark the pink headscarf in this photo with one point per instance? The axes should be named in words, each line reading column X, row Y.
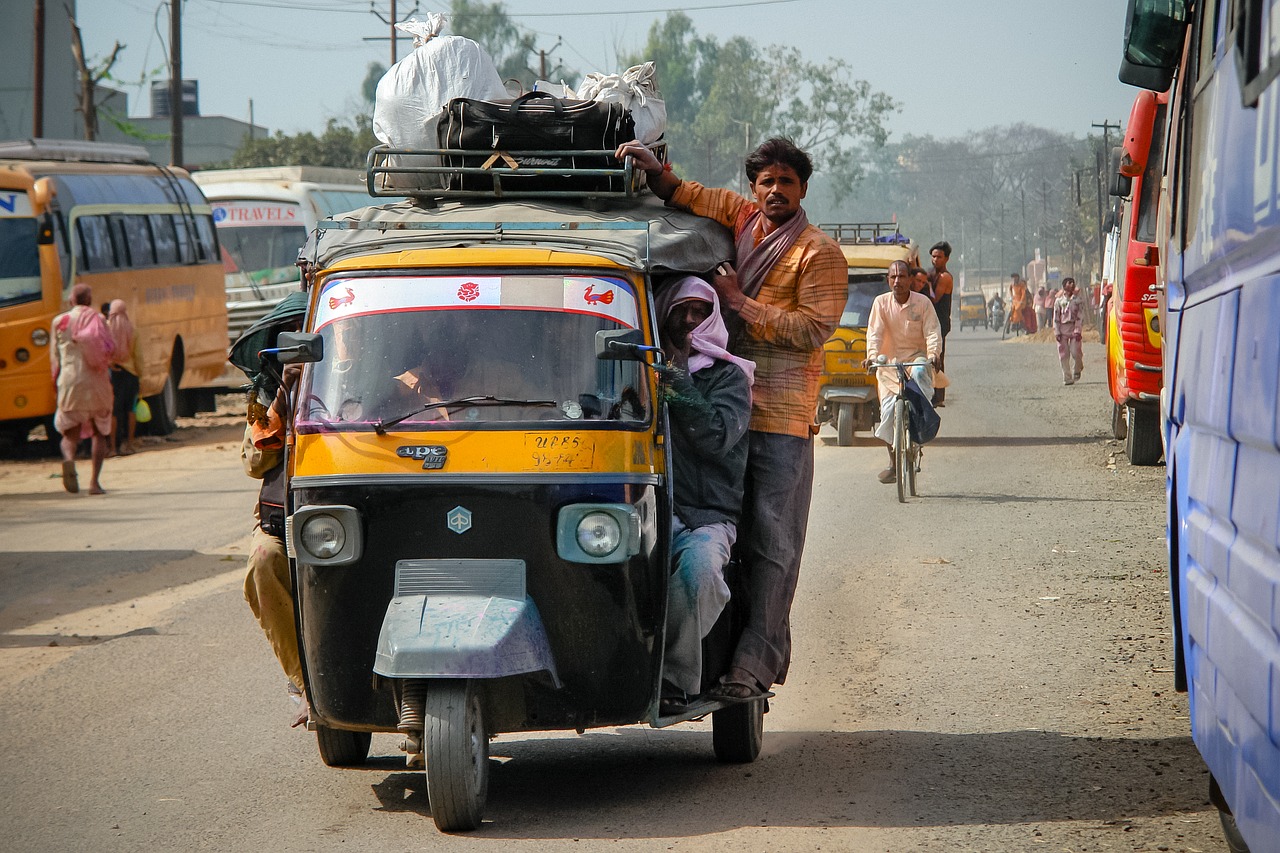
column 709, row 340
column 88, row 329
column 121, row 328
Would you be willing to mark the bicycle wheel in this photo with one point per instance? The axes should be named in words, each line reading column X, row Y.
column 900, row 440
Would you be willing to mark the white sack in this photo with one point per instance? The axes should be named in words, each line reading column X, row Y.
column 412, row 94
column 637, row 90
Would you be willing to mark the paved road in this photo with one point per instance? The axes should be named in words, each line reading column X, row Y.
column 985, row 668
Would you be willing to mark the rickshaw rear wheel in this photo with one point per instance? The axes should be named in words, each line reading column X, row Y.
column 456, row 749
column 737, row 732
column 844, row 424
column 342, row 748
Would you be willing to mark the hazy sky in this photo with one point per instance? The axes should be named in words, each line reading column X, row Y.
column 953, row 65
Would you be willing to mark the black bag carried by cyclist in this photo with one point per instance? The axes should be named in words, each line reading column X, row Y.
column 924, row 420
column 535, row 122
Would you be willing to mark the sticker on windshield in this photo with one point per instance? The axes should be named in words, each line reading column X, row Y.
column 601, row 297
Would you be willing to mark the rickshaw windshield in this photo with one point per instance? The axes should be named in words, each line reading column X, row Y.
column 487, row 349
column 863, row 289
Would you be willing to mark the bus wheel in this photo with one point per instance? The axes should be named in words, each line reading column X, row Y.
column 1235, row 841
column 164, row 408
column 1142, row 444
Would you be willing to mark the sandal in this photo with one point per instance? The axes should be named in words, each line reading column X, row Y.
column 735, row 691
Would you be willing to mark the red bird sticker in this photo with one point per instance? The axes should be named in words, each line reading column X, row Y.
column 590, row 298
column 336, row 302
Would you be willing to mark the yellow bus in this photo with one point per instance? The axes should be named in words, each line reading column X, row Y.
column 106, row 216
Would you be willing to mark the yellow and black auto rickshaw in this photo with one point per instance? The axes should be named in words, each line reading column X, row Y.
column 848, row 399
column 479, row 503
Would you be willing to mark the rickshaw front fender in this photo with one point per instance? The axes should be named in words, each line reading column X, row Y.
column 462, row 636
column 848, row 394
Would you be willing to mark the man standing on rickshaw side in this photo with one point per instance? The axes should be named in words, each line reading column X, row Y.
column 942, row 285
column 708, row 395
column 903, row 326
column 787, row 295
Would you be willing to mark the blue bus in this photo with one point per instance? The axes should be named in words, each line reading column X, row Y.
column 1219, row 240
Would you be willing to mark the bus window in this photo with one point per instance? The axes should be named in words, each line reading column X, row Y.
column 330, row 202
column 96, row 252
column 207, row 239
column 186, row 245
column 166, row 242
column 137, row 239
column 19, row 261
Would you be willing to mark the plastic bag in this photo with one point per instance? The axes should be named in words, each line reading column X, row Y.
column 142, row 411
column 411, row 96
column 637, row 90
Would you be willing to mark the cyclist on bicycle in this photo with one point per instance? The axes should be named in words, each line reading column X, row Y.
column 903, row 327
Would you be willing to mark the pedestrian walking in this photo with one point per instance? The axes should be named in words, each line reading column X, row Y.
column 81, row 368
column 1068, row 327
column 125, row 363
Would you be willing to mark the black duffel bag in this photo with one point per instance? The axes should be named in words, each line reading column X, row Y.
column 535, row 122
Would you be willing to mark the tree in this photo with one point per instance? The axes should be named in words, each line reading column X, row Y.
column 89, row 78
column 344, row 145
column 722, row 99
column 369, row 88
column 514, row 49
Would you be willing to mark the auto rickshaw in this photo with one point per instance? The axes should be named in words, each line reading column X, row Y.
column 848, row 399
column 973, row 311
column 479, row 508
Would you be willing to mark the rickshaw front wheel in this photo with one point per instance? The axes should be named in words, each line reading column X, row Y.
column 737, row 732
column 456, row 749
column 342, row 748
column 844, row 424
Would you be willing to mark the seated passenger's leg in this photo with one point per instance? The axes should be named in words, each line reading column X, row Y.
column 696, row 595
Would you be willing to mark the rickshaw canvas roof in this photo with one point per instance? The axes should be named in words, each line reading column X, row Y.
column 675, row 241
column 875, row 256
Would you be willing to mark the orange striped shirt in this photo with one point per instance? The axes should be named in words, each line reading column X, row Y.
column 791, row 317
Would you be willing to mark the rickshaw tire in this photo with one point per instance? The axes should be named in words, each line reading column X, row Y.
column 737, row 732
column 342, row 748
column 913, row 461
column 844, row 424
column 456, row 748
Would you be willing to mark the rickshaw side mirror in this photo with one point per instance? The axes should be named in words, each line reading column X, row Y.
column 622, row 345
column 298, row 348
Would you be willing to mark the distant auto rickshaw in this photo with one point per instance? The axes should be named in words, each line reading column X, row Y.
column 479, row 502
column 973, row 311
column 848, row 399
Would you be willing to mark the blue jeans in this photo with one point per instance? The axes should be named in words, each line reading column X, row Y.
column 696, row 595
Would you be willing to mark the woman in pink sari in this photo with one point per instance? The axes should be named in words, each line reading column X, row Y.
column 81, row 368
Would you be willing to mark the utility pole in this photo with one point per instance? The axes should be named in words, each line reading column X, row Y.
column 1025, row 254
column 175, row 82
column 37, row 112
column 1106, row 127
column 391, row 22
column 1002, row 239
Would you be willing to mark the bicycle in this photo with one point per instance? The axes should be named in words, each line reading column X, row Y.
column 906, row 451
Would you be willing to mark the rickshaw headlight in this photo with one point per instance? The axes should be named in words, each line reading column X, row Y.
column 599, row 534
column 324, row 535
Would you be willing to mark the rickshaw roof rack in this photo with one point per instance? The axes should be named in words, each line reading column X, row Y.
column 441, row 173
column 865, row 232
column 638, row 233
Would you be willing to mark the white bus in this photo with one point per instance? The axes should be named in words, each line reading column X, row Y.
column 263, row 216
